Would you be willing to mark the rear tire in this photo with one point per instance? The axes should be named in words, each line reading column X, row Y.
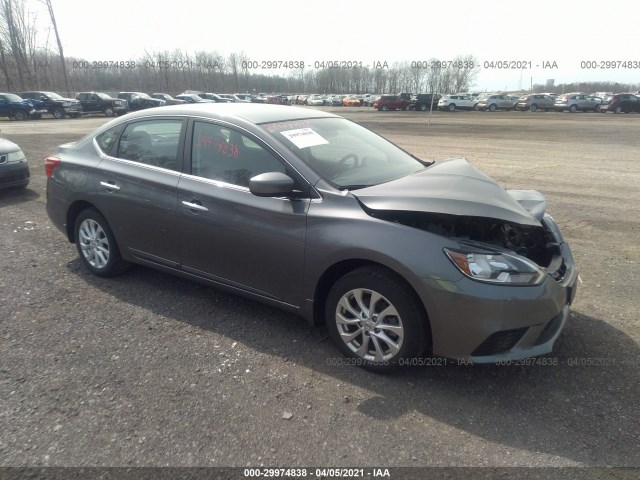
column 375, row 319
column 97, row 246
column 492, row 107
column 384, row 108
column 452, row 107
column 573, row 109
column 533, row 108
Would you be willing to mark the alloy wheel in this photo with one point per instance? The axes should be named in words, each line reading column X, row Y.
column 94, row 243
column 369, row 325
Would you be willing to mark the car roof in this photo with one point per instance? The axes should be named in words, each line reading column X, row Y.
column 249, row 112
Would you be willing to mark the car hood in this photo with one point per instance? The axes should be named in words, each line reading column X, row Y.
column 455, row 188
column 7, row 146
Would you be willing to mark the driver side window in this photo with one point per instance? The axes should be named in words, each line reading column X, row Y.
column 220, row 153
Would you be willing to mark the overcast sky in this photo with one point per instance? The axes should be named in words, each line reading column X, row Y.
column 565, row 32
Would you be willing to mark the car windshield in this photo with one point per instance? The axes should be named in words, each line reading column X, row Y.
column 52, row 96
column 344, row 153
column 103, row 96
column 144, row 95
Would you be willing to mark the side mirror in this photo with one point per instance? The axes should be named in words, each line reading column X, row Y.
column 271, row 184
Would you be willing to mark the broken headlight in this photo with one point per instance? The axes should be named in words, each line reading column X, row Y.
column 496, row 267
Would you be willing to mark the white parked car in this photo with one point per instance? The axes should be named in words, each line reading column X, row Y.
column 453, row 102
column 315, row 100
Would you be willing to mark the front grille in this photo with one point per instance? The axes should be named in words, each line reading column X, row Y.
column 550, row 329
column 500, row 342
column 560, row 273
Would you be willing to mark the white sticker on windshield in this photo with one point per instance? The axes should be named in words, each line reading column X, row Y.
column 304, row 137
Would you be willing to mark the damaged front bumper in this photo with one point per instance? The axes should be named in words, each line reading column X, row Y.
column 487, row 323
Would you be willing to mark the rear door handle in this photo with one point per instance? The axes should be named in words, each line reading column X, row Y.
column 110, row 185
column 195, row 206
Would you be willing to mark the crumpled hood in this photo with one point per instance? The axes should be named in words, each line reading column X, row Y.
column 453, row 187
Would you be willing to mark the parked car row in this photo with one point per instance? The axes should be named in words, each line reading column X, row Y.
column 35, row 104
column 571, row 102
column 328, row 100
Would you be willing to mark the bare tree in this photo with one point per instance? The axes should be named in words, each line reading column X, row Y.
column 60, row 49
column 15, row 31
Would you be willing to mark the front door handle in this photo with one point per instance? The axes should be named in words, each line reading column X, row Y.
column 110, row 185
column 195, row 206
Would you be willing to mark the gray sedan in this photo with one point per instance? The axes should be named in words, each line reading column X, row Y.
column 14, row 168
column 310, row 212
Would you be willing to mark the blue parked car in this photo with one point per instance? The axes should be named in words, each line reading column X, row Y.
column 17, row 108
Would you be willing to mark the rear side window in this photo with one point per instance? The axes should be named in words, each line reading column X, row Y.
column 107, row 139
column 151, row 142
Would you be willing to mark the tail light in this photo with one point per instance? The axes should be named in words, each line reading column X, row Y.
column 50, row 163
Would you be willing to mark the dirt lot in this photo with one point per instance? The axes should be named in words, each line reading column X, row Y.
column 151, row 370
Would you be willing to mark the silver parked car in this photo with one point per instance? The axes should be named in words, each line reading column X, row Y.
column 496, row 102
column 575, row 102
column 318, row 215
column 535, row 101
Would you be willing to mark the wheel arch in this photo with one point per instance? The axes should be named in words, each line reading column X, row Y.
column 342, row 268
column 74, row 210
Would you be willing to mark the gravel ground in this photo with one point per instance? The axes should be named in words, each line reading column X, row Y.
column 151, row 370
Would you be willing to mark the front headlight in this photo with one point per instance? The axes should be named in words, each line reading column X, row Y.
column 496, row 267
column 16, row 157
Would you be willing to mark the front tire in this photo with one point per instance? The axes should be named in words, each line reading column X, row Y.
column 375, row 318
column 109, row 112
column 97, row 246
column 20, row 115
column 58, row 113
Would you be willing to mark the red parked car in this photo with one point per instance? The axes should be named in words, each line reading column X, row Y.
column 391, row 102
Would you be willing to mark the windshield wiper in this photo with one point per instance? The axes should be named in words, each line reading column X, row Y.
column 428, row 163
